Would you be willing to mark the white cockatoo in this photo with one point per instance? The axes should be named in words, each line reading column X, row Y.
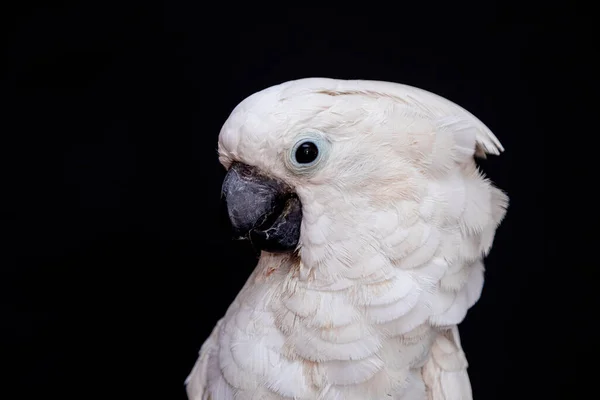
column 373, row 221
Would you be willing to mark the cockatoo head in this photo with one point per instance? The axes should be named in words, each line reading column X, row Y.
column 342, row 167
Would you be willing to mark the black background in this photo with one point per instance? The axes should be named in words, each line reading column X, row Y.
column 122, row 265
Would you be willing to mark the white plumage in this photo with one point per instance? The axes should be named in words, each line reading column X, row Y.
column 396, row 221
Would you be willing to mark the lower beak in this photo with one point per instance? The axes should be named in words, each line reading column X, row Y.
column 262, row 209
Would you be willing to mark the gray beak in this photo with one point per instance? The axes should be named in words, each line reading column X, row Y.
column 262, row 209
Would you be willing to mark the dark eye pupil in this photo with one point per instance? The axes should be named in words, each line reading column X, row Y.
column 306, row 153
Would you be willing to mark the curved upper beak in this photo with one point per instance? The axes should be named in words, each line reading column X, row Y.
column 262, row 209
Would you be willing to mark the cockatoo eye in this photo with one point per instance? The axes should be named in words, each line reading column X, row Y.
column 306, row 152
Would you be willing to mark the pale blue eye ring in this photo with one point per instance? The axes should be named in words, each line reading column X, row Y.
column 307, row 153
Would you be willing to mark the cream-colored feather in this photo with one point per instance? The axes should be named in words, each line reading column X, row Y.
column 396, row 222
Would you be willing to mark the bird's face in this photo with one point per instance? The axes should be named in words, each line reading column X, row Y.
column 314, row 167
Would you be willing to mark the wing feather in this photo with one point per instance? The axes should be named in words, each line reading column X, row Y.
column 445, row 372
column 197, row 381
